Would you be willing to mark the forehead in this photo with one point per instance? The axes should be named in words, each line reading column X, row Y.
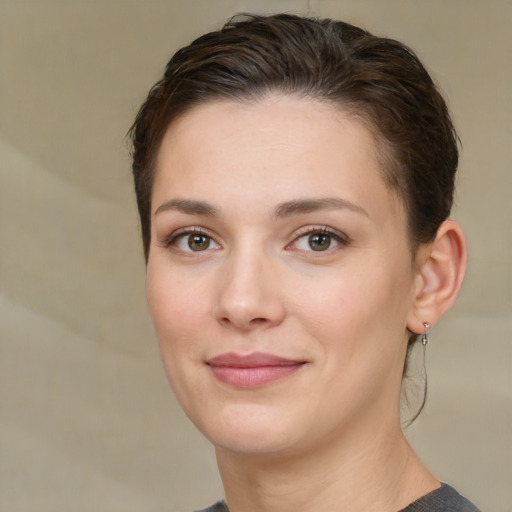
column 268, row 147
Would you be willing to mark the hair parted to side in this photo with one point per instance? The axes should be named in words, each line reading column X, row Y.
column 378, row 80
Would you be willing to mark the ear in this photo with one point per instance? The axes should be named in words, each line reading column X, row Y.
column 441, row 266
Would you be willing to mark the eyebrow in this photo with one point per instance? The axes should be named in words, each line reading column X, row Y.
column 287, row 209
column 311, row 205
column 188, row 206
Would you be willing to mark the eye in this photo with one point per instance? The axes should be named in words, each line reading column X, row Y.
column 316, row 242
column 319, row 240
column 192, row 240
column 196, row 242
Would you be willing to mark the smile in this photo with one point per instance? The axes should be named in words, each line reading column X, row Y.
column 252, row 370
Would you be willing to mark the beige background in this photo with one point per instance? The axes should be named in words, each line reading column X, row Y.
column 87, row 420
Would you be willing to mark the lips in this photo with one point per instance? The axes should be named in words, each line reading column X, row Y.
column 252, row 370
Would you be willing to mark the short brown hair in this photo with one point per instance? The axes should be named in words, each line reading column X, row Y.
column 379, row 80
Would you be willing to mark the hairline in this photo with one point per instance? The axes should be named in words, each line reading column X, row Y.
column 348, row 109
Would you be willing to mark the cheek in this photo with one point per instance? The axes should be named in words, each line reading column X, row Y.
column 359, row 304
column 327, row 299
column 176, row 306
column 178, row 312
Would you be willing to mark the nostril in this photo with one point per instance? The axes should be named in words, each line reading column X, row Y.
column 256, row 321
column 224, row 321
column 248, row 308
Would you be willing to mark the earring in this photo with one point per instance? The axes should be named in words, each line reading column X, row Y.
column 424, row 337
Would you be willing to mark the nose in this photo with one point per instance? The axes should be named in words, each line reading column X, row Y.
column 249, row 295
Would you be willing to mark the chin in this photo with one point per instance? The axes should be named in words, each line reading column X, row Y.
column 249, row 430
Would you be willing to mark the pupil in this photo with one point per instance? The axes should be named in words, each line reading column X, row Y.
column 198, row 242
column 319, row 241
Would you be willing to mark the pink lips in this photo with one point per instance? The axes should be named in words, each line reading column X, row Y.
column 252, row 370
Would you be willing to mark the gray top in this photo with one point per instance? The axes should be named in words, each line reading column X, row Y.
column 444, row 499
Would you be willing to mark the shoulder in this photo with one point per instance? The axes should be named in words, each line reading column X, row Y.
column 444, row 499
column 220, row 506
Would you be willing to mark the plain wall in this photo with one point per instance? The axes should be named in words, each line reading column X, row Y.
column 87, row 419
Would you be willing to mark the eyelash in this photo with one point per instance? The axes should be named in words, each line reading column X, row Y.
column 183, row 233
column 339, row 237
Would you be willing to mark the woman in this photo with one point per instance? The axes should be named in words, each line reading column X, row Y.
column 294, row 179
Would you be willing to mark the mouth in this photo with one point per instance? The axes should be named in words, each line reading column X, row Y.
column 252, row 370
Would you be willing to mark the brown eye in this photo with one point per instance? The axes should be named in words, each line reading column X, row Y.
column 198, row 242
column 319, row 241
column 189, row 240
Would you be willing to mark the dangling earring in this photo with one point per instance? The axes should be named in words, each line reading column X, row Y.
column 424, row 337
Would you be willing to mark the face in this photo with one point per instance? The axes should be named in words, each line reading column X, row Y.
column 280, row 279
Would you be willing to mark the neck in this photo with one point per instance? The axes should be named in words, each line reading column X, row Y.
column 377, row 472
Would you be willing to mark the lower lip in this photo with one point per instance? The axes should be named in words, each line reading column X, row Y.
column 249, row 377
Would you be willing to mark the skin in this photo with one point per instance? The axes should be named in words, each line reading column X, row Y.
column 327, row 436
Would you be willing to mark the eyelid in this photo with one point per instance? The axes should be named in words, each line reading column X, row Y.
column 339, row 236
column 169, row 240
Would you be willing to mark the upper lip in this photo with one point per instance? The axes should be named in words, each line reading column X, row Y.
column 254, row 360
